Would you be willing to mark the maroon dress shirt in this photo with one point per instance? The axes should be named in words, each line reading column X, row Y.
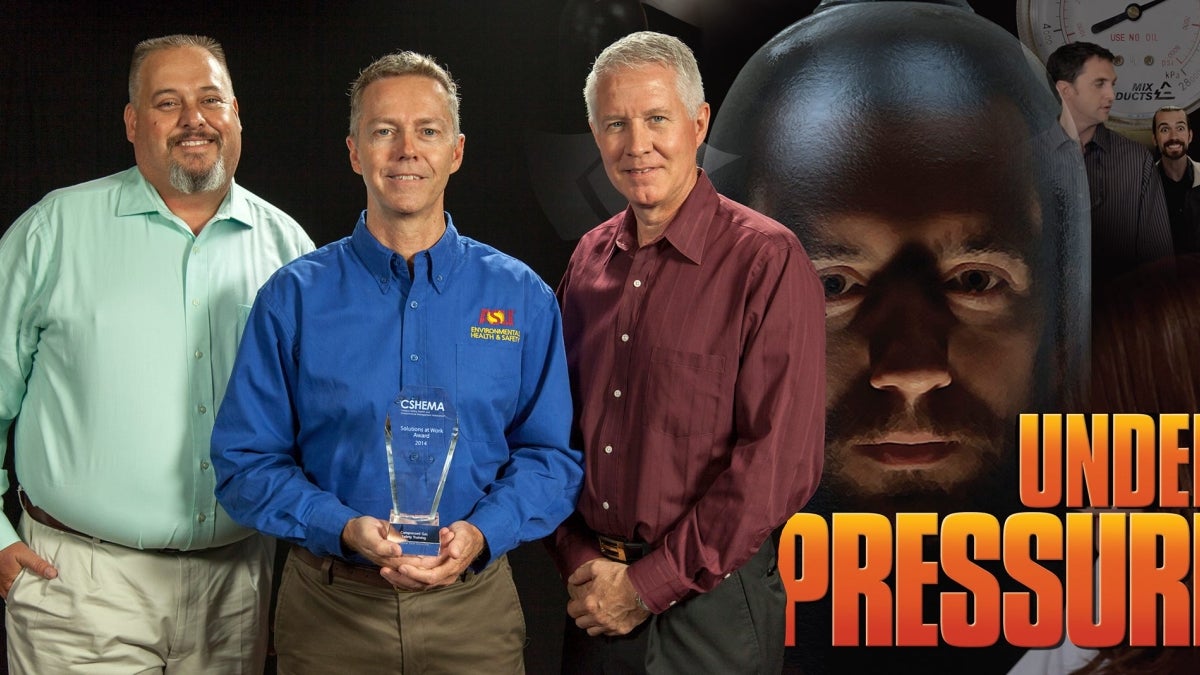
column 697, row 367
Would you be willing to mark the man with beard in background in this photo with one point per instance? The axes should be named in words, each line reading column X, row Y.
column 1180, row 177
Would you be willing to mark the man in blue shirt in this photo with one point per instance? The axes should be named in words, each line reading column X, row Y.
column 333, row 344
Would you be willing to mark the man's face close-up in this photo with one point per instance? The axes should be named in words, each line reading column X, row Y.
column 405, row 147
column 929, row 248
column 921, row 197
column 1171, row 133
column 1091, row 95
column 646, row 137
column 931, row 337
column 184, row 125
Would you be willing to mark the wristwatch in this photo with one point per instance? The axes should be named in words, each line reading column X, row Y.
column 637, row 597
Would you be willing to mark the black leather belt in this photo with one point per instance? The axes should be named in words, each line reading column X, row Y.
column 39, row 515
column 620, row 550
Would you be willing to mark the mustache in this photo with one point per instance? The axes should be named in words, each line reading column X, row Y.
column 194, row 136
column 864, row 414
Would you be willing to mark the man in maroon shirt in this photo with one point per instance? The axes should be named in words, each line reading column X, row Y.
column 695, row 341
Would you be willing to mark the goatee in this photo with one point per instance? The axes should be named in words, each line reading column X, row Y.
column 205, row 180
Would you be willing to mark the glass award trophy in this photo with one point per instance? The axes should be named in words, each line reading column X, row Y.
column 420, row 432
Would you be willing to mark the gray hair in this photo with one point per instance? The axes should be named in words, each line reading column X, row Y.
column 645, row 48
column 147, row 47
column 396, row 65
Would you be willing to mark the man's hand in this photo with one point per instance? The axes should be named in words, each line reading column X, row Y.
column 17, row 555
column 373, row 538
column 603, row 600
column 461, row 543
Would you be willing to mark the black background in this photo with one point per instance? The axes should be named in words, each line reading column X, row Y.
column 520, row 65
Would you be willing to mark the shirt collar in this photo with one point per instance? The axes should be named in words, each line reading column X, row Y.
column 1101, row 137
column 383, row 263
column 138, row 196
column 687, row 231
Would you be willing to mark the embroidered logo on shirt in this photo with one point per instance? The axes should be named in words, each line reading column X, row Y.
column 489, row 323
column 496, row 317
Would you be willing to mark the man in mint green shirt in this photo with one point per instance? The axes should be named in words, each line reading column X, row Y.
column 122, row 306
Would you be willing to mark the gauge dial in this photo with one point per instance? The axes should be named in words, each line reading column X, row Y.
column 1155, row 42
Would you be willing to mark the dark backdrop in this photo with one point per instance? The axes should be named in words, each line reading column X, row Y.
column 529, row 183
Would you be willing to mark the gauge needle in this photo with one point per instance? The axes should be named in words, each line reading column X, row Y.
column 1133, row 12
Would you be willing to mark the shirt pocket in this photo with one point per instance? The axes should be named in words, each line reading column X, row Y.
column 488, row 377
column 683, row 392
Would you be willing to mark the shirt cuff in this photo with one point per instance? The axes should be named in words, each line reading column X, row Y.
column 657, row 582
column 324, row 535
column 482, row 560
column 493, row 522
column 574, row 545
column 8, row 533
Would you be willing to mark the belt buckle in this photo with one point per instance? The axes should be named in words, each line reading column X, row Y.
column 613, row 549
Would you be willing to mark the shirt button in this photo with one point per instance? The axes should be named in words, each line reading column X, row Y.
column 203, row 465
column 605, row 505
column 199, row 353
column 195, row 302
column 625, row 337
column 413, row 304
column 202, row 517
column 672, row 604
column 383, row 280
column 608, row 449
column 727, row 575
column 195, row 249
column 617, row 394
column 637, row 283
column 440, row 277
column 202, row 410
column 412, row 357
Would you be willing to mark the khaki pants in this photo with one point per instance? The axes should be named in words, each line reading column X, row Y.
column 120, row 610
column 325, row 626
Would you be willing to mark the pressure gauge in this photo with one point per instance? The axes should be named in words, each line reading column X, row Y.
column 1155, row 43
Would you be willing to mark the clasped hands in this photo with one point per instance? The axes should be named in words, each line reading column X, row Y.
column 461, row 543
column 603, row 600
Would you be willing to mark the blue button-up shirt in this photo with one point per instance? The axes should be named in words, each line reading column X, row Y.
column 333, row 338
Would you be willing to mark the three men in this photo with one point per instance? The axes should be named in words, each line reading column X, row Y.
column 1180, row 176
column 694, row 333
column 1129, row 216
column 403, row 314
column 119, row 323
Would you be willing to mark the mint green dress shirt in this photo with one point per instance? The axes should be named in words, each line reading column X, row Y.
column 118, row 331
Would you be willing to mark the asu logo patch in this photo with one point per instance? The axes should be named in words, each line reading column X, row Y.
column 492, row 326
column 496, row 317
